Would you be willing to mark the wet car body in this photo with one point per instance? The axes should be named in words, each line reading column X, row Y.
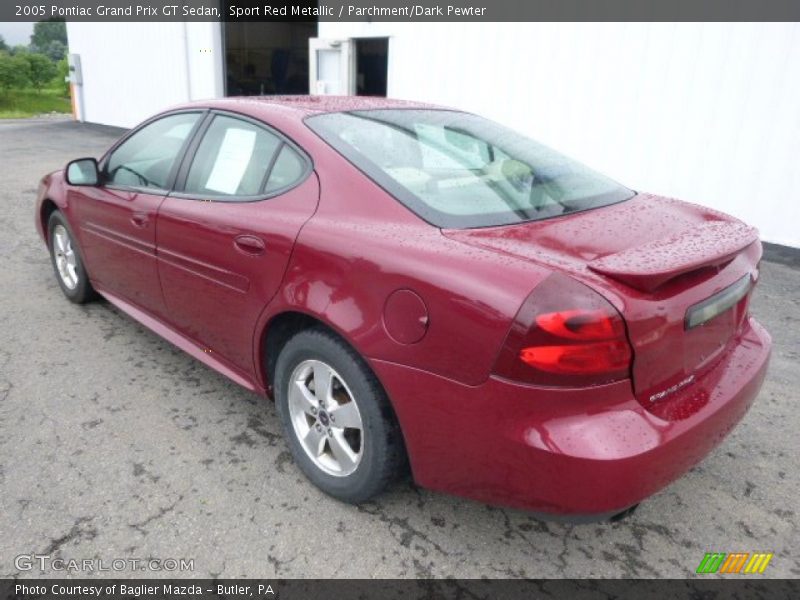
column 441, row 314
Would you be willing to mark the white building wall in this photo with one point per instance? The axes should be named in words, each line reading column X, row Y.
column 709, row 113
column 133, row 70
column 704, row 112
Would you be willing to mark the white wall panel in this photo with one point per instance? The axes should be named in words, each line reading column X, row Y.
column 707, row 112
column 133, row 70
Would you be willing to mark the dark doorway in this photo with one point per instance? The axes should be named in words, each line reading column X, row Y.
column 372, row 66
column 267, row 58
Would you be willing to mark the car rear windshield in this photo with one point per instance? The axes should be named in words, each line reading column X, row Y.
column 458, row 170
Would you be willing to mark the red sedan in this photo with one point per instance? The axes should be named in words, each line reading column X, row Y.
column 422, row 288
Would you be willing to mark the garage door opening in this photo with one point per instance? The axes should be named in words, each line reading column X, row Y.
column 267, row 58
column 372, row 66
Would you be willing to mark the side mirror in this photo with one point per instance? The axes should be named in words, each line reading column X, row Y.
column 83, row 171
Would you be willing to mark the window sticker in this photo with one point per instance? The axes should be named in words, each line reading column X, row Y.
column 233, row 157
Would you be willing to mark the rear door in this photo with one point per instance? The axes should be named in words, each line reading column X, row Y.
column 118, row 218
column 225, row 235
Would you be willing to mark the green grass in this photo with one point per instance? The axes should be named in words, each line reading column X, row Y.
column 20, row 104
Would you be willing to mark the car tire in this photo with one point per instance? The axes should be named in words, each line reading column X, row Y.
column 67, row 262
column 367, row 426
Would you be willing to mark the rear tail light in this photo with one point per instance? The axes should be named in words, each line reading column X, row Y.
column 565, row 334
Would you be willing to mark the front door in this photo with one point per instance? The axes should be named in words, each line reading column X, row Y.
column 331, row 67
column 224, row 239
column 118, row 218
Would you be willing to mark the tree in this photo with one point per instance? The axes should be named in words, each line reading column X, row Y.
column 3, row 45
column 42, row 69
column 55, row 50
column 61, row 77
column 45, row 32
column 15, row 72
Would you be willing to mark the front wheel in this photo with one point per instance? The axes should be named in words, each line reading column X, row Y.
column 67, row 262
column 338, row 422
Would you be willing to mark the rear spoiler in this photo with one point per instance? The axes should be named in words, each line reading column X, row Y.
column 651, row 265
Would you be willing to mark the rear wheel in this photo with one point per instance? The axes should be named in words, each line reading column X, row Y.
column 67, row 262
column 338, row 422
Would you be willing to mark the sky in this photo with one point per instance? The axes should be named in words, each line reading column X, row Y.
column 16, row 33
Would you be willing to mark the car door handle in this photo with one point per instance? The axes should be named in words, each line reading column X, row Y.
column 140, row 219
column 249, row 244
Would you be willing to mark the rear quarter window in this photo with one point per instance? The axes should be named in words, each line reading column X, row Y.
column 288, row 169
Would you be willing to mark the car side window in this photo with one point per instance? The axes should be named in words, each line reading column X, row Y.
column 233, row 159
column 288, row 168
column 146, row 159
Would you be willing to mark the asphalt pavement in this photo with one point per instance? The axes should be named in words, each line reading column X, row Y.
column 116, row 445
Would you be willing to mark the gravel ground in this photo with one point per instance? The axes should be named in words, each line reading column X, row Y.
column 114, row 444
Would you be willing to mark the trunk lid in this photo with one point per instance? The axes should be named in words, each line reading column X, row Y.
column 658, row 261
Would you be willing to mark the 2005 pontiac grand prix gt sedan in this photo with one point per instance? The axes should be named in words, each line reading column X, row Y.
column 422, row 288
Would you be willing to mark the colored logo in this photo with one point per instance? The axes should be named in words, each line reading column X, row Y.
column 736, row 562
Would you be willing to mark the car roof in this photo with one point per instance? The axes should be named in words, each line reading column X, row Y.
column 305, row 105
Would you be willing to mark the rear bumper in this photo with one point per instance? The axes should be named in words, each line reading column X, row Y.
column 574, row 453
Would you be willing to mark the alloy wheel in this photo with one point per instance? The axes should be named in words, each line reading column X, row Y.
column 325, row 418
column 66, row 261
